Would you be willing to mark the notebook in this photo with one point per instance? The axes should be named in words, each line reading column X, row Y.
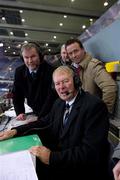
column 19, row 143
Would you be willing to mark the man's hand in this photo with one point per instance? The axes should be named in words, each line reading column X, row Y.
column 21, row 117
column 7, row 134
column 42, row 153
column 116, row 171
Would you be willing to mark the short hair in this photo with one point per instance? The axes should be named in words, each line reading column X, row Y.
column 29, row 45
column 64, row 68
column 74, row 40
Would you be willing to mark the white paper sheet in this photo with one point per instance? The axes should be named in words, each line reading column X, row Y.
column 17, row 166
column 11, row 111
column 14, row 123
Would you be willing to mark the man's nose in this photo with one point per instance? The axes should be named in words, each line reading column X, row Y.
column 61, row 85
column 29, row 59
column 73, row 55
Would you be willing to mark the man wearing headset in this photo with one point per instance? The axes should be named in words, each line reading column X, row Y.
column 78, row 147
column 33, row 83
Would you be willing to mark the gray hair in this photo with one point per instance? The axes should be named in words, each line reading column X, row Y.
column 64, row 68
column 30, row 45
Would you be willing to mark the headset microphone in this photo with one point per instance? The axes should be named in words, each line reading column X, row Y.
column 67, row 93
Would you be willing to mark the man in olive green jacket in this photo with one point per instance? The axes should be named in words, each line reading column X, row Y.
column 94, row 77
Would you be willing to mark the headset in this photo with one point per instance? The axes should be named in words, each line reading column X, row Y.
column 32, row 45
column 76, row 78
column 77, row 81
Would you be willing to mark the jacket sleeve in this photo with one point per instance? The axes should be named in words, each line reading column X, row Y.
column 106, row 83
column 18, row 95
column 40, row 127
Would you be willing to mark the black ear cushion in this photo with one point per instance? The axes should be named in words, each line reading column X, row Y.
column 76, row 78
column 53, row 85
column 77, row 82
column 38, row 48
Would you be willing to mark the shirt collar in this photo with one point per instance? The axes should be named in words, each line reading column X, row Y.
column 35, row 71
column 71, row 101
column 75, row 65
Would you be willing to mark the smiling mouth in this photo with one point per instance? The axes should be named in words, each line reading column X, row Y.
column 63, row 93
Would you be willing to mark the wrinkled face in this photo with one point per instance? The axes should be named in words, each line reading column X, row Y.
column 64, row 54
column 31, row 58
column 75, row 52
column 64, row 85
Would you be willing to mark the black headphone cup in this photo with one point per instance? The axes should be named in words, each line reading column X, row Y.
column 77, row 82
column 38, row 48
column 53, row 85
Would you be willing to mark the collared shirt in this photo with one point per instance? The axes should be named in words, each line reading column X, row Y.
column 75, row 65
column 70, row 103
column 35, row 71
column 77, row 68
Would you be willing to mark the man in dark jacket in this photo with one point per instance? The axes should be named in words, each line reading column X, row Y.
column 33, row 83
column 78, row 126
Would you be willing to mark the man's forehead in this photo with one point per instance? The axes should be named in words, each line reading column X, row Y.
column 61, row 77
column 62, row 73
column 29, row 49
column 72, row 46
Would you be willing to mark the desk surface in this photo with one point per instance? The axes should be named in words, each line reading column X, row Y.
column 19, row 143
column 8, row 122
